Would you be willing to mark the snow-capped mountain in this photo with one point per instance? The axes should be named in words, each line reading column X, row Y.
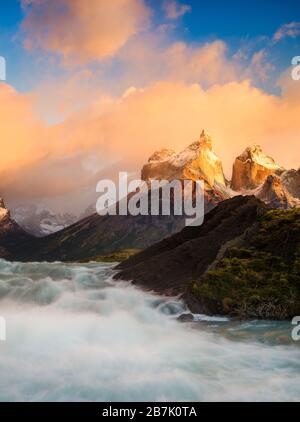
column 254, row 173
column 196, row 162
column 41, row 221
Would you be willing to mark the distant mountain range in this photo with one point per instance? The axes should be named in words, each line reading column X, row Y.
column 254, row 173
column 41, row 221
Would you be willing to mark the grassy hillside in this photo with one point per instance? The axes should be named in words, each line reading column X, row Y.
column 260, row 280
column 118, row 256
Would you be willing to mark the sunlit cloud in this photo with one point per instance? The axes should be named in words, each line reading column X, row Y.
column 261, row 65
column 50, row 161
column 82, row 31
column 291, row 30
column 174, row 9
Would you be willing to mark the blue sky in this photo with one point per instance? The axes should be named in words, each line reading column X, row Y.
column 243, row 18
column 216, row 17
column 250, row 23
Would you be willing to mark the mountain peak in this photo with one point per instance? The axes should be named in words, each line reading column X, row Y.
column 205, row 139
column 196, row 162
column 252, row 167
column 203, row 143
column 255, row 154
column 273, row 193
column 4, row 213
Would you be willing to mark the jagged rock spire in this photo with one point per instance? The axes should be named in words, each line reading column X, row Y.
column 196, row 162
column 204, row 135
column 273, row 193
column 4, row 213
column 252, row 168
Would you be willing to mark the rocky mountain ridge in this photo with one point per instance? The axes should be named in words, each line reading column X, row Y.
column 254, row 173
column 40, row 220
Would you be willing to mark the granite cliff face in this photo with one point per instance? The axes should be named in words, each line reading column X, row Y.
column 252, row 168
column 291, row 182
column 255, row 173
column 196, row 162
column 274, row 194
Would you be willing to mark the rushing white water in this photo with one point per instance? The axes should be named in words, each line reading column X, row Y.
column 73, row 334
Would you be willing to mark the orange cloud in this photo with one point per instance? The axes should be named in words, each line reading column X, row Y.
column 145, row 61
column 69, row 157
column 82, row 31
column 19, row 133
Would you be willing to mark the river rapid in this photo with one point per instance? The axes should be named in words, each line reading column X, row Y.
column 74, row 334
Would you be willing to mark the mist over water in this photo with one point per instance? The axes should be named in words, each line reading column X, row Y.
column 74, row 334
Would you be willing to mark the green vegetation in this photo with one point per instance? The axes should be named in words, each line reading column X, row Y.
column 117, row 256
column 263, row 279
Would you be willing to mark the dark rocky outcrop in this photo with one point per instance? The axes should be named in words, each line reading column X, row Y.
column 170, row 265
column 12, row 236
column 244, row 261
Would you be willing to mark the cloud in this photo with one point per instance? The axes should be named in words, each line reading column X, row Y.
column 82, row 31
column 70, row 157
column 291, row 30
column 21, row 133
column 261, row 66
column 154, row 93
column 146, row 61
column 175, row 10
column 141, row 63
